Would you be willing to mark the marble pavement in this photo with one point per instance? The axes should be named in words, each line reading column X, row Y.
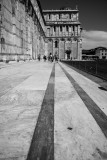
column 78, row 135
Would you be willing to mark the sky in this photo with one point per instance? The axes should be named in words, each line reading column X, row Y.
column 93, row 18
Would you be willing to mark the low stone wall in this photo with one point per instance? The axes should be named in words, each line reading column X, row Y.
column 97, row 68
column 14, row 57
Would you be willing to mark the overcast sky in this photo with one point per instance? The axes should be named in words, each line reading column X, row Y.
column 93, row 18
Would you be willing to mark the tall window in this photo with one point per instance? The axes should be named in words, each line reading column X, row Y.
column 60, row 28
column 67, row 28
column 56, row 44
column 0, row 7
column 49, row 16
column 54, row 29
column 73, row 28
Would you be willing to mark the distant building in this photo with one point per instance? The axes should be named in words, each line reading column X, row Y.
column 89, row 54
column 96, row 53
column 63, row 33
column 101, row 52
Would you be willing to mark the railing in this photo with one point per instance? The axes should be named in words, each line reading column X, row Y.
column 97, row 68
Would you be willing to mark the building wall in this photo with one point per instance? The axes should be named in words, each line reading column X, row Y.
column 101, row 53
column 22, row 30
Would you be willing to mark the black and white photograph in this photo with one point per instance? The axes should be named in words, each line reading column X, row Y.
column 53, row 79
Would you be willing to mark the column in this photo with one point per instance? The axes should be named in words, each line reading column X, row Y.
column 65, row 49
column 64, row 29
column 58, row 31
column 71, row 50
column 79, row 45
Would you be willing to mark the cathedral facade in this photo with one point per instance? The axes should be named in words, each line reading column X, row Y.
column 63, row 33
column 27, row 31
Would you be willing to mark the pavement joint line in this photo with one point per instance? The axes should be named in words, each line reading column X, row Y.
column 42, row 144
column 9, row 88
column 99, row 116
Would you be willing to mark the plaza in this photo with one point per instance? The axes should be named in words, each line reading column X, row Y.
column 50, row 111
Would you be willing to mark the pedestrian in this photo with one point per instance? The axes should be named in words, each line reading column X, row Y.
column 56, row 58
column 44, row 57
column 51, row 58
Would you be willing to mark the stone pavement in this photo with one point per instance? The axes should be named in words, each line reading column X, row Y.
column 49, row 111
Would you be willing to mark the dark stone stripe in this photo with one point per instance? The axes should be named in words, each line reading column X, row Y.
column 99, row 116
column 42, row 145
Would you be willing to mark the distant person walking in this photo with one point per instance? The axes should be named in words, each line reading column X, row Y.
column 44, row 57
column 51, row 57
column 56, row 58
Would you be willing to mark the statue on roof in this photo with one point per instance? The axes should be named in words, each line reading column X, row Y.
column 65, row 8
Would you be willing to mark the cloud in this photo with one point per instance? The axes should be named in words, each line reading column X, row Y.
column 92, row 39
